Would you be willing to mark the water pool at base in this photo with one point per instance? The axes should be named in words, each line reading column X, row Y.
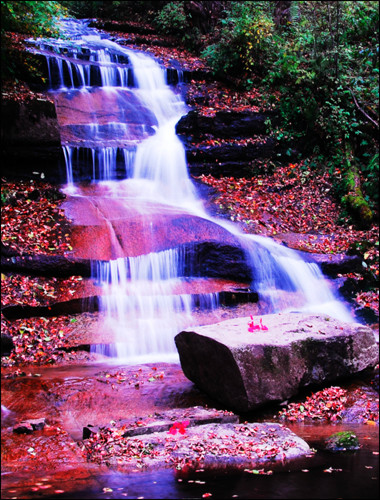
column 325, row 476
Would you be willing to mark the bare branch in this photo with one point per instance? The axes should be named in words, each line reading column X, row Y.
column 362, row 110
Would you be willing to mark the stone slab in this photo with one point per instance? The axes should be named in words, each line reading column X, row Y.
column 244, row 370
column 218, row 447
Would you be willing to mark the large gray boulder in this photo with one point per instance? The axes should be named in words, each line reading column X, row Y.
column 244, row 370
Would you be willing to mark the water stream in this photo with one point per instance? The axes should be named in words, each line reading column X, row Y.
column 118, row 115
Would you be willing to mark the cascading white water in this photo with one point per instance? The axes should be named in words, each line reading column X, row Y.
column 139, row 292
column 278, row 267
column 143, row 306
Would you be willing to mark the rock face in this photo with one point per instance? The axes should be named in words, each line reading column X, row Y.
column 244, row 370
column 225, row 154
column 31, row 139
column 223, row 124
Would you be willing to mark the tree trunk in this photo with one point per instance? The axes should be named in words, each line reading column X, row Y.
column 203, row 15
column 354, row 199
column 282, row 17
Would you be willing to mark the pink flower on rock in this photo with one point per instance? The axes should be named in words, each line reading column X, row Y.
column 252, row 327
column 179, row 426
column 263, row 327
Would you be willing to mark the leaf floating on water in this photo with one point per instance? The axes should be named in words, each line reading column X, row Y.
column 330, row 470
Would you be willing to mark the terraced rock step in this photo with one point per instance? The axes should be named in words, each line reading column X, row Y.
column 92, row 304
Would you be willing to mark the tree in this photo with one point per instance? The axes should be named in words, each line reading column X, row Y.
column 282, row 13
column 28, row 18
column 31, row 17
column 203, row 15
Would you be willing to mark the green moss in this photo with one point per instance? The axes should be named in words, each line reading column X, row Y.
column 350, row 180
column 342, row 441
column 359, row 207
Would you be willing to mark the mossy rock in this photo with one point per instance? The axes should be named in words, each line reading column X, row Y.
column 359, row 209
column 342, row 441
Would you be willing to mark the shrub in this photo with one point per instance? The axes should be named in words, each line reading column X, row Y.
column 243, row 39
column 171, row 19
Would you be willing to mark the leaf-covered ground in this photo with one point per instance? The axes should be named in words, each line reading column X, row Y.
column 297, row 207
column 331, row 404
column 291, row 200
column 32, row 222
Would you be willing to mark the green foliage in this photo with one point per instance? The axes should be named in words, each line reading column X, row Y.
column 5, row 194
column 82, row 9
column 31, row 17
column 28, row 18
column 244, row 36
column 171, row 19
column 326, row 68
column 128, row 10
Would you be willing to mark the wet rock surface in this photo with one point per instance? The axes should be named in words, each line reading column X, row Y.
column 138, row 405
column 116, row 117
column 221, row 446
column 244, row 369
column 93, row 237
column 223, row 124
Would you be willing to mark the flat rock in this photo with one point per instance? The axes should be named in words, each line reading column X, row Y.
column 163, row 421
column 148, row 227
column 244, row 370
column 217, row 447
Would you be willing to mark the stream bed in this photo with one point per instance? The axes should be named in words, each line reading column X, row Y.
column 49, row 464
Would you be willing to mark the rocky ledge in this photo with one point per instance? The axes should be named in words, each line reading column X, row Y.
column 245, row 369
column 207, row 439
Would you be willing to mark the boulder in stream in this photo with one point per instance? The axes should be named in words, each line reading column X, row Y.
column 244, row 370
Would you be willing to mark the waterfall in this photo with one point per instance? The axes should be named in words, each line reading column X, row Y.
column 141, row 299
column 131, row 145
